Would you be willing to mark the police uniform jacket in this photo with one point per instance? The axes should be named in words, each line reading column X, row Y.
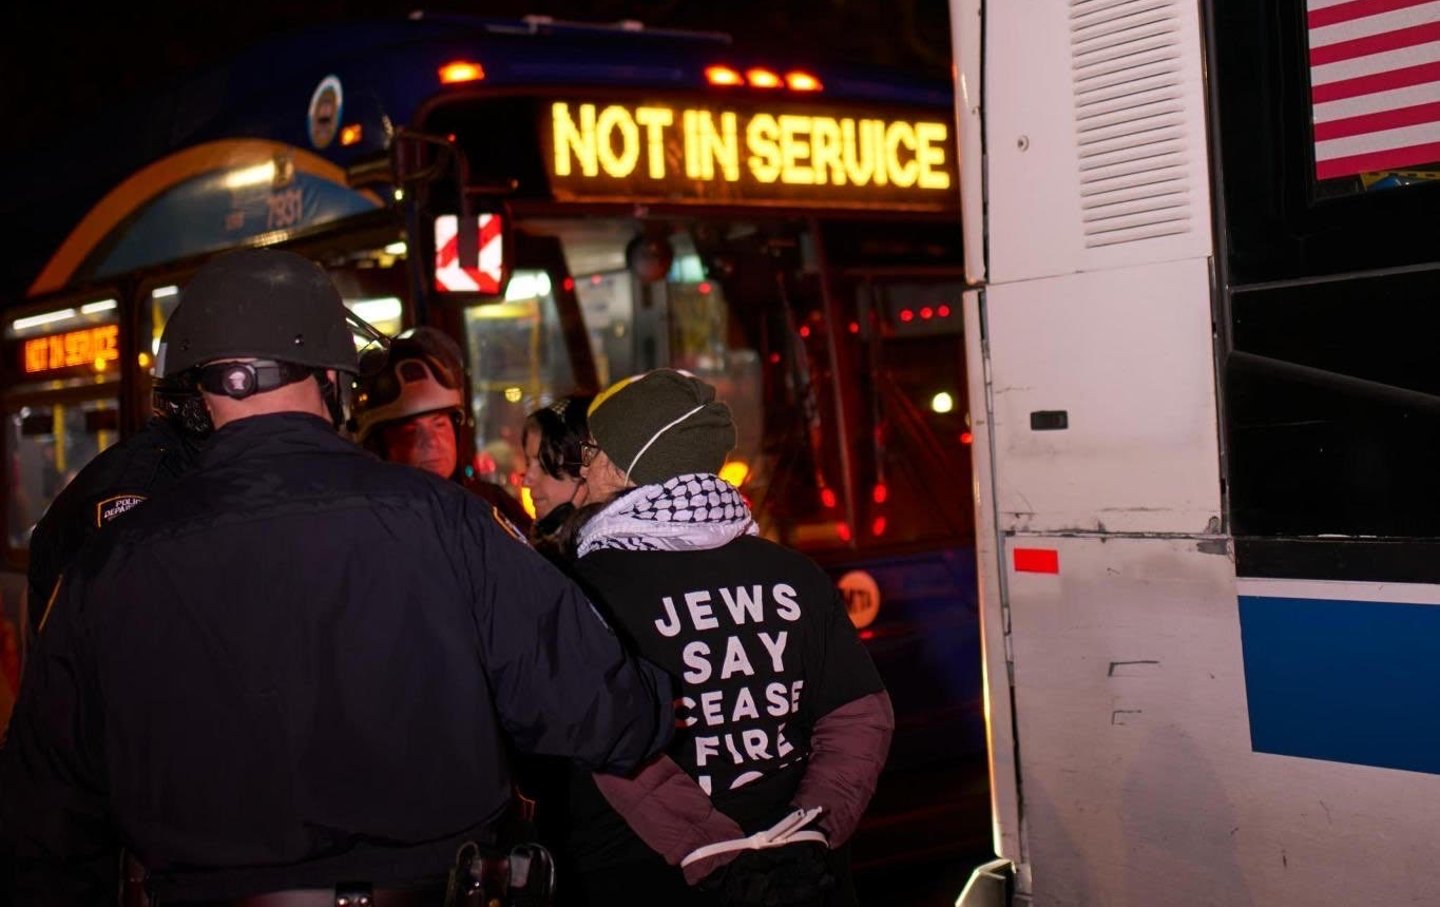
column 117, row 480
column 294, row 668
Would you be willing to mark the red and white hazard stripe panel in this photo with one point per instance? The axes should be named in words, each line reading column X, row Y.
column 1375, row 84
column 450, row 277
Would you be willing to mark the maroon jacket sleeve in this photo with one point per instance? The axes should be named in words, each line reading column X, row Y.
column 847, row 751
column 671, row 814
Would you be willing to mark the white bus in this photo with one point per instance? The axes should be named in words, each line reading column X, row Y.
column 1205, row 241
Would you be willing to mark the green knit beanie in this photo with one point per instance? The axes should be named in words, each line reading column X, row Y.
column 662, row 424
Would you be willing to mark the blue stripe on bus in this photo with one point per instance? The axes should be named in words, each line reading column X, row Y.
column 1344, row 681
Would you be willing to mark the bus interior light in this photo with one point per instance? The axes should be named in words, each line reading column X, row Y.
column 722, row 75
column 35, row 321
column 95, row 308
column 459, row 71
column 927, row 313
column 877, row 528
column 799, row 80
column 828, row 499
column 384, row 308
column 351, row 134
column 943, row 311
column 880, row 493
column 842, row 531
column 762, row 78
column 162, row 292
column 397, row 248
column 907, row 316
column 942, row 402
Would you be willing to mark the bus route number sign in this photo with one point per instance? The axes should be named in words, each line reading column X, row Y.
column 776, row 155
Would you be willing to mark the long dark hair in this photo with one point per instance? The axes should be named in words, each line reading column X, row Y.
column 561, row 428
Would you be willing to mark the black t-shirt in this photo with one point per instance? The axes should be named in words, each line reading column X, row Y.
column 760, row 648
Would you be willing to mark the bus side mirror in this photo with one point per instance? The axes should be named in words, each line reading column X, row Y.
column 473, row 253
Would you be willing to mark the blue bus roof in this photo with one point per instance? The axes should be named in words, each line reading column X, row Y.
column 389, row 70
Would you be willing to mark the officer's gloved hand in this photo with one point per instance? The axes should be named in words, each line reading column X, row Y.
column 794, row 875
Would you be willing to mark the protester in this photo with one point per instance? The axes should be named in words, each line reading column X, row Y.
column 783, row 721
column 292, row 673
column 552, row 438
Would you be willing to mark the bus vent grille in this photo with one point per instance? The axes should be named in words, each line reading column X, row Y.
column 1129, row 119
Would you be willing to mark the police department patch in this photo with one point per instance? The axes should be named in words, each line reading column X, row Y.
column 508, row 526
column 107, row 510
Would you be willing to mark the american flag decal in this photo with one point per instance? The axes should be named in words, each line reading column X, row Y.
column 1374, row 84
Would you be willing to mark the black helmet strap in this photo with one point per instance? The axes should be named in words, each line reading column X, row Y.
column 336, row 396
column 239, row 380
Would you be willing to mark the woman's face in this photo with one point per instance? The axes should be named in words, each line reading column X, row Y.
column 546, row 491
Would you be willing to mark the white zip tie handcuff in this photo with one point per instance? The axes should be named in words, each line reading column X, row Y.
column 789, row 830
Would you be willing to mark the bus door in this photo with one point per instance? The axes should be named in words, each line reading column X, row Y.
column 62, row 406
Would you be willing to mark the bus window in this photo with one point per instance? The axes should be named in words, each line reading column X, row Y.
column 48, row 445
column 729, row 309
column 517, row 361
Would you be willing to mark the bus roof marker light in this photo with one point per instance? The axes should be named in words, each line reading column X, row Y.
column 351, row 134
column 458, row 71
column 762, row 78
column 799, row 80
column 723, row 76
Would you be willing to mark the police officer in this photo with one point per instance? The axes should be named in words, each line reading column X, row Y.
column 289, row 673
column 413, row 411
column 120, row 478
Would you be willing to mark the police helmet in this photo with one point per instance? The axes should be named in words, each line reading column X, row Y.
column 262, row 304
column 424, row 374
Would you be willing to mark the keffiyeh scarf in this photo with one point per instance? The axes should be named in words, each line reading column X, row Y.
column 687, row 513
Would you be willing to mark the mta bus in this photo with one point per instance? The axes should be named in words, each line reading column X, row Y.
column 1206, row 407
column 575, row 204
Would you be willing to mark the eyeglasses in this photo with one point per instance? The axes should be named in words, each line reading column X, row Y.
column 588, row 451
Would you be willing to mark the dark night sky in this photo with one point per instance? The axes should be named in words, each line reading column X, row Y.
column 60, row 61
